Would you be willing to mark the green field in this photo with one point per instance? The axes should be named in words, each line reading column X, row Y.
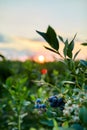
column 49, row 96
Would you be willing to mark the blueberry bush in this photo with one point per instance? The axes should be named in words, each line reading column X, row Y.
column 49, row 96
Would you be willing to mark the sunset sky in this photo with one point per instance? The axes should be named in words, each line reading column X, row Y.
column 19, row 20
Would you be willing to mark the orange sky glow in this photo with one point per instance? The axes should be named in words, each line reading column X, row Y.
column 37, row 48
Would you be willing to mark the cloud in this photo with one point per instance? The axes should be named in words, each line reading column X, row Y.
column 5, row 39
column 37, row 39
column 21, row 43
column 11, row 53
column 20, row 47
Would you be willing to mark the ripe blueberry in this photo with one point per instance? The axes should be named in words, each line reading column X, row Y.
column 52, row 98
column 37, row 106
column 38, row 100
column 42, row 106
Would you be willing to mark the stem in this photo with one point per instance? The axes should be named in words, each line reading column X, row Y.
column 76, row 79
column 19, row 122
column 77, row 83
column 51, row 85
column 73, row 70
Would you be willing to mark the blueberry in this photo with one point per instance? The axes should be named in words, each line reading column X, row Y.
column 52, row 104
column 38, row 100
column 37, row 106
column 52, row 98
column 61, row 102
column 42, row 106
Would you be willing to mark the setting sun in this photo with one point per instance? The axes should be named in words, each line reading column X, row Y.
column 41, row 59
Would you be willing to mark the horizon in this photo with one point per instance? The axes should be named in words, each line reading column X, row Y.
column 23, row 49
column 20, row 19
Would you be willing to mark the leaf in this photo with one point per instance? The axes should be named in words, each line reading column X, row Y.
column 44, row 35
column 83, row 62
column 76, row 54
column 51, row 37
column 77, row 127
column 68, row 82
column 69, row 52
column 47, row 122
column 70, row 48
column 32, row 129
column 71, row 45
column 23, row 115
column 65, row 48
column 52, row 50
column 65, row 124
column 83, row 115
column 55, row 125
column 26, row 103
column 57, row 52
column 9, row 82
column 84, row 44
column 61, row 128
column 2, row 56
column 61, row 39
column 23, row 81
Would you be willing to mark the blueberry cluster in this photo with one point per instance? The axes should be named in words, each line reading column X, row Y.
column 55, row 102
column 40, row 106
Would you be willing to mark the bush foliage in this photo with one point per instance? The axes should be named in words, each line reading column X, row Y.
column 49, row 96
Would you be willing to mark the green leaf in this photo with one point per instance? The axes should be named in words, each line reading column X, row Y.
column 77, row 127
column 61, row 128
column 68, row 82
column 9, row 82
column 2, row 56
column 23, row 81
column 55, row 125
column 61, row 39
column 51, row 37
column 71, row 45
column 52, row 50
column 76, row 54
column 47, row 122
column 44, row 35
column 65, row 124
column 65, row 48
column 83, row 115
column 32, row 129
column 84, row 44
column 69, row 52
column 23, row 115
column 83, row 62
column 70, row 48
